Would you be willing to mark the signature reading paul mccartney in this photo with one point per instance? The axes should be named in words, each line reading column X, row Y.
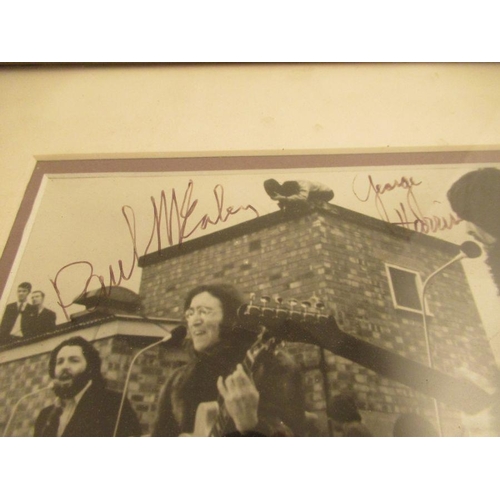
column 174, row 219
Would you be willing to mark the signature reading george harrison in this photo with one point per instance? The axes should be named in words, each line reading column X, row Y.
column 267, row 400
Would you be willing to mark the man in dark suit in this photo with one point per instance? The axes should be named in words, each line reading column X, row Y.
column 84, row 407
column 18, row 317
column 44, row 320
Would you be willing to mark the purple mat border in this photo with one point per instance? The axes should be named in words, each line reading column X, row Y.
column 204, row 163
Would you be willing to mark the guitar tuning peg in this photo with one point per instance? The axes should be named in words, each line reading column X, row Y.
column 265, row 299
column 292, row 303
column 306, row 304
column 252, row 298
column 278, row 300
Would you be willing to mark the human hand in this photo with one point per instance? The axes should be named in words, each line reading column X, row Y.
column 241, row 399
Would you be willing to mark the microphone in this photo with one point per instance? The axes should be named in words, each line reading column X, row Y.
column 19, row 401
column 470, row 250
column 176, row 333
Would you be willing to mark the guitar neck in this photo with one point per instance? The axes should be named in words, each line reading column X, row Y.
column 459, row 393
column 319, row 329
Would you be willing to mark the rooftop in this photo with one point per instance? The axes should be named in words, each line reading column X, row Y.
column 278, row 217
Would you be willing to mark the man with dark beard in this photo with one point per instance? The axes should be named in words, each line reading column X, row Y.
column 475, row 198
column 84, row 407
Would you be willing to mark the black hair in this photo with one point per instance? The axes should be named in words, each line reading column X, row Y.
column 230, row 299
column 90, row 353
column 342, row 408
column 272, row 186
column 475, row 197
column 25, row 285
column 289, row 188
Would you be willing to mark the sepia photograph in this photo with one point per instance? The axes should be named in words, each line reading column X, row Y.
column 329, row 295
column 286, row 249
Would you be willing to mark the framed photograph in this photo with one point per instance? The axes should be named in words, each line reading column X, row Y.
column 325, row 294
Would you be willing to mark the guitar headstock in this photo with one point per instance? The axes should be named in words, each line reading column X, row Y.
column 291, row 321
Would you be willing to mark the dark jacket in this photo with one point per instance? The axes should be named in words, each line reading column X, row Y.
column 9, row 319
column 95, row 416
column 37, row 324
column 277, row 378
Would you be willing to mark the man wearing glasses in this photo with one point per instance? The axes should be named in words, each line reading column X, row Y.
column 267, row 402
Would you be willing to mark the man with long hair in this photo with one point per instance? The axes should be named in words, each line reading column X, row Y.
column 266, row 401
column 84, row 407
column 475, row 198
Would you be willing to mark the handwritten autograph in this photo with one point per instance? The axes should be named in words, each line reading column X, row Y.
column 170, row 218
column 408, row 214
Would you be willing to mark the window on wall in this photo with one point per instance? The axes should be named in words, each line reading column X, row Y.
column 406, row 288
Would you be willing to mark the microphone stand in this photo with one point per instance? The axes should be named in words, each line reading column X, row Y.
column 19, row 401
column 129, row 372
column 460, row 256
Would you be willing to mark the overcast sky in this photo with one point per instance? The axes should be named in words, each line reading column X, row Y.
column 82, row 219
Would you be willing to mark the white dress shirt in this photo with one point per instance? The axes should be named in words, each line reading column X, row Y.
column 16, row 329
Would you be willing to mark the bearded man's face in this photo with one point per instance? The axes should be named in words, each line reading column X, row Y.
column 71, row 373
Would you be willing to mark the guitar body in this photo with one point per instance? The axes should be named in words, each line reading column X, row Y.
column 305, row 326
column 206, row 415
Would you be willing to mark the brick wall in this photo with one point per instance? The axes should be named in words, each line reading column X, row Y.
column 149, row 373
column 335, row 255
column 340, row 257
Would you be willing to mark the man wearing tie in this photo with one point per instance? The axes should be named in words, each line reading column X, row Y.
column 44, row 320
column 83, row 407
column 18, row 317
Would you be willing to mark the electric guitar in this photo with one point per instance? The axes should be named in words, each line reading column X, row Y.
column 309, row 324
column 212, row 418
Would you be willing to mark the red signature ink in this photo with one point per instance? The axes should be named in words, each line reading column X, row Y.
column 379, row 189
column 169, row 216
column 426, row 224
column 408, row 214
column 178, row 218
